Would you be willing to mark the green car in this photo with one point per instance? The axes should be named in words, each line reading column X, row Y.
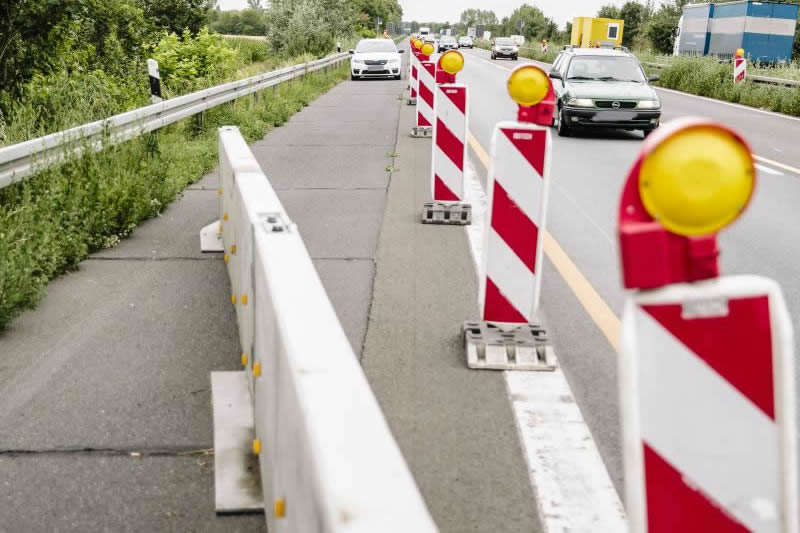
column 603, row 88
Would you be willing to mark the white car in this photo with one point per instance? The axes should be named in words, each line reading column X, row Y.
column 464, row 42
column 375, row 58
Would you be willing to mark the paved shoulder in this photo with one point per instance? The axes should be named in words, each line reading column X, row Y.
column 454, row 426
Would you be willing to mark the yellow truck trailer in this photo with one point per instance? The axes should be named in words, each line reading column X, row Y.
column 588, row 32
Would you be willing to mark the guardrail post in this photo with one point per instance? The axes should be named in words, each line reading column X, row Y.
column 706, row 372
column 509, row 335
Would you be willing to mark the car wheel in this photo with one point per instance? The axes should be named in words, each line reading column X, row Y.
column 494, row 57
column 397, row 77
column 515, row 58
column 353, row 77
column 647, row 132
column 563, row 128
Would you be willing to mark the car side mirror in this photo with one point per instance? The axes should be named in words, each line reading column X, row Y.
column 400, row 51
column 555, row 75
column 351, row 51
column 654, row 77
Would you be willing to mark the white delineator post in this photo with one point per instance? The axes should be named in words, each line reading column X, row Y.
column 155, row 81
column 706, row 373
column 509, row 335
column 426, row 86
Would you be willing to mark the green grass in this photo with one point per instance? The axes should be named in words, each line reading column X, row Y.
column 51, row 222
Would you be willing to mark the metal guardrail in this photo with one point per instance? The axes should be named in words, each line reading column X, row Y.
column 757, row 79
column 327, row 457
column 22, row 160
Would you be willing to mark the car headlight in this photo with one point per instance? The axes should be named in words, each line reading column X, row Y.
column 394, row 61
column 358, row 61
column 648, row 104
column 580, row 102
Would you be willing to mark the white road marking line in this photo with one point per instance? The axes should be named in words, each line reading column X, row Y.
column 768, row 170
column 776, row 164
column 573, row 490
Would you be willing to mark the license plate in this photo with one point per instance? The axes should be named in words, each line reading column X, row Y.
column 376, row 67
column 614, row 116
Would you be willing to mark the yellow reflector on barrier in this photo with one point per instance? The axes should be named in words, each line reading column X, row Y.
column 740, row 52
column 697, row 181
column 452, row 61
column 427, row 49
column 528, row 85
column 256, row 446
column 417, row 44
column 280, row 508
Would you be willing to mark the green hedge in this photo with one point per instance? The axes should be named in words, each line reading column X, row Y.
column 49, row 223
column 708, row 77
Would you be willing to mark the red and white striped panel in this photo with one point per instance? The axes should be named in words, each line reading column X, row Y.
column 414, row 74
column 739, row 70
column 449, row 143
column 426, row 84
column 708, row 408
column 519, row 178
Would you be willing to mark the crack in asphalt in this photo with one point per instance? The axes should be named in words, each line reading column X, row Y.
column 156, row 451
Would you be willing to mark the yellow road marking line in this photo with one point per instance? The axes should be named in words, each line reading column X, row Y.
column 594, row 304
column 776, row 164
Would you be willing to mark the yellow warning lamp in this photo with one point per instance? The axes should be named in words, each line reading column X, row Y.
column 417, row 44
column 528, row 85
column 452, row 61
column 740, row 52
column 697, row 180
column 427, row 49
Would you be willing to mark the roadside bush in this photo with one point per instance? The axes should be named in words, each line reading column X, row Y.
column 186, row 62
column 51, row 222
column 708, row 77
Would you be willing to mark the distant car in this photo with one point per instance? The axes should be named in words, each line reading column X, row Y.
column 375, row 58
column 505, row 47
column 447, row 42
column 464, row 42
column 603, row 88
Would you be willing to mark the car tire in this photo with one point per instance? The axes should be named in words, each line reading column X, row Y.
column 647, row 132
column 353, row 77
column 563, row 128
column 494, row 57
column 397, row 77
column 515, row 58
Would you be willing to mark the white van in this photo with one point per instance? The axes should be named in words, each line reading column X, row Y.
column 519, row 40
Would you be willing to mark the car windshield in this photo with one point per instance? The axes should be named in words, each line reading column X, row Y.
column 605, row 68
column 504, row 41
column 382, row 45
column 447, row 39
column 464, row 39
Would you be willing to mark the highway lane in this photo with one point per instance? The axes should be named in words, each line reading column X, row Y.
column 588, row 171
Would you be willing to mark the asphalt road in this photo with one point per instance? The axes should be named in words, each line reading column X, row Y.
column 588, row 171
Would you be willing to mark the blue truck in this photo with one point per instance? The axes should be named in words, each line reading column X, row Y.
column 765, row 30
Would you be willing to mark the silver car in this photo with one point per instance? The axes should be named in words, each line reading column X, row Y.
column 375, row 58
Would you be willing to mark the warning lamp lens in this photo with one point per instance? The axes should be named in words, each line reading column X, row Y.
column 427, row 49
column 697, row 181
column 452, row 61
column 740, row 52
column 417, row 44
column 528, row 85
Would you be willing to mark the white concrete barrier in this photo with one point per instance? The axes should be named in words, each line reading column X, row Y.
column 328, row 460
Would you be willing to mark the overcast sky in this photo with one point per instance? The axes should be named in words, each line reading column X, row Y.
column 449, row 10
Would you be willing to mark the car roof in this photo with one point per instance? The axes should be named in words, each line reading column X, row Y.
column 598, row 52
